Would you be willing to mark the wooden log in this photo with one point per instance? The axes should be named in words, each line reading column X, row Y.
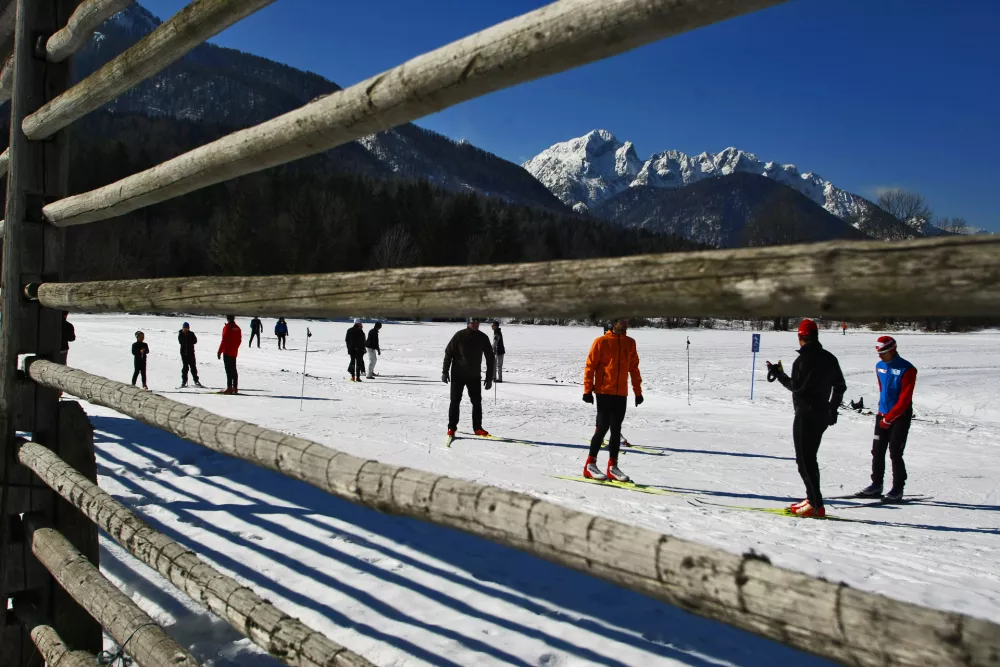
column 7, row 79
column 4, row 161
column 924, row 277
column 122, row 618
column 554, row 38
column 826, row 618
column 8, row 22
column 286, row 638
column 182, row 32
column 50, row 645
column 81, row 25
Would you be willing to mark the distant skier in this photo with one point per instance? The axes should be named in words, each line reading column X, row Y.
column 817, row 387
column 139, row 352
column 229, row 349
column 612, row 361
column 68, row 336
column 843, row 327
column 256, row 326
column 463, row 361
column 373, row 349
column 498, row 349
column 281, row 331
column 897, row 378
column 356, row 347
column 187, row 341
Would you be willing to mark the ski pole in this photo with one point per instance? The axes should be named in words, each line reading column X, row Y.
column 305, row 360
column 689, row 368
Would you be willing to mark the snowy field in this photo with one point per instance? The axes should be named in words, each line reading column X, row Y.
column 402, row 592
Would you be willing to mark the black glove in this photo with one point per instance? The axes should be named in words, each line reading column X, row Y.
column 638, row 400
column 833, row 416
column 774, row 370
column 444, row 377
column 488, row 384
column 588, row 398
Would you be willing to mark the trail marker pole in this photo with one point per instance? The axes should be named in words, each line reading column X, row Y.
column 755, row 348
column 305, row 361
column 689, row 368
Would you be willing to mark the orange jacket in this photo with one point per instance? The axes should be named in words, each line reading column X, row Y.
column 232, row 338
column 611, row 360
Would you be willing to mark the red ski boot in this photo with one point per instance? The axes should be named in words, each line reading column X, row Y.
column 591, row 471
column 615, row 474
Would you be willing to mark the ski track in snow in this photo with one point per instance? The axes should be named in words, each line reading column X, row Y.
column 403, row 592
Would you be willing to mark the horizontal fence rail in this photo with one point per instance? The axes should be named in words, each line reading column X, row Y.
column 48, row 642
column 115, row 611
column 554, row 38
column 284, row 637
column 89, row 15
column 832, row 620
column 182, row 32
column 7, row 80
column 923, row 277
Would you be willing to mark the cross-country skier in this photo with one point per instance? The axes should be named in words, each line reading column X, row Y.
column 896, row 379
column 817, row 387
column 188, row 340
column 373, row 349
column 139, row 352
column 356, row 346
column 229, row 348
column 843, row 327
column 281, row 331
column 612, row 361
column 256, row 326
column 463, row 361
column 607, row 327
column 498, row 349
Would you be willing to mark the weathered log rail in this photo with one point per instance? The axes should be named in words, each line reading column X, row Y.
column 924, row 277
column 81, row 25
column 829, row 619
column 284, row 637
column 48, row 642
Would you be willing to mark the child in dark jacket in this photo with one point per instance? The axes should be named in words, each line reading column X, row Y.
column 139, row 352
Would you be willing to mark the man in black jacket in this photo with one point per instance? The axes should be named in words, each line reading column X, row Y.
column 373, row 349
column 498, row 350
column 188, row 340
column 817, row 387
column 256, row 326
column 355, row 340
column 463, row 361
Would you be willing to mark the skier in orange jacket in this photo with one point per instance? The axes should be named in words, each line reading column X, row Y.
column 613, row 359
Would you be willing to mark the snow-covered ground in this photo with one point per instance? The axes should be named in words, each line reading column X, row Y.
column 402, row 592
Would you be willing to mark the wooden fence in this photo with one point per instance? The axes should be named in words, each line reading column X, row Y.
column 51, row 506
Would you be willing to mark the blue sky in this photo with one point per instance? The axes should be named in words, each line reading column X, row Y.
column 870, row 94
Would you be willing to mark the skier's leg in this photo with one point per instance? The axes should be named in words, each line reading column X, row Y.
column 194, row 370
column 184, row 370
column 897, row 443
column 476, row 398
column 456, row 401
column 499, row 377
column 135, row 375
column 880, row 442
column 142, row 371
column 800, row 438
column 815, row 432
column 372, row 358
column 617, row 417
column 603, row 424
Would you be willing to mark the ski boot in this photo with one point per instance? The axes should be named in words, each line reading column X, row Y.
column 184, row 385
column 873, row 491
column 809, row 512
column 591, row 471
column 199, row 385
column 795, row 506
column 615, row 474
column 482, row 433
column 895, row 495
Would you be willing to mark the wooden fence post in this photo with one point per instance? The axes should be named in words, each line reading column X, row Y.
column 38, row 173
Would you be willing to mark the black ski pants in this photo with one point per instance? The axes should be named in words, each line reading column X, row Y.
column 232, row 377
column 610, row 415
column 807, row 433
column 254, row 334
column 140, row 369
column 357, row 366
column 893, row 439
column 475, row 389
column 282, row 345
column 188, row 362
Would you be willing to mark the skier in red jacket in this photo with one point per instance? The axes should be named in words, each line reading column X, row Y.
column 229, row 348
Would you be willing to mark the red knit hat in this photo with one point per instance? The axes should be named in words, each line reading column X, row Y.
column 807, row 329
column 885, row 344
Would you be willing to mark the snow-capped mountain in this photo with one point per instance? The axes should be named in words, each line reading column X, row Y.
column 586, row 171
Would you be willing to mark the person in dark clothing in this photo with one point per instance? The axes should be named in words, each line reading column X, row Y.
column 463, row 361
column 281, row 331
column 897, row 378
column 498, row 350
column 229, row 348
column 373, row 349
column 256, row 326
column 139, row 352
column 356, row 343
column 817, row 387
column 68, row 336
column 187, row 341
